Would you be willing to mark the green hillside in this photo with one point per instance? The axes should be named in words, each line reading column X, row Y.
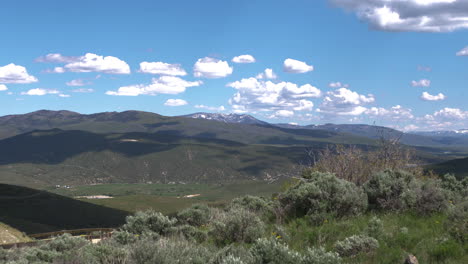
column 458, row 167
column 33, row 211
column 55, row 156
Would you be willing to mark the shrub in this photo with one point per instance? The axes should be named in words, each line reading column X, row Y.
column 149, row 221
column 323, row 194
column 233, row 254
column 375, row 228
column 457, row 223
column 253, row 203
column 197, row 215
column 272, row 251
column 169, row 251
column 39, row 255
column 189, row 232
column 456, row 189
column 237, row 225
column 320, row 256
column 391, row 190
column 230, row 259
column 123, row 237
column 103, row 253
column 66, row 242
column 430, row 198
column 354, row 245
column 445, row 250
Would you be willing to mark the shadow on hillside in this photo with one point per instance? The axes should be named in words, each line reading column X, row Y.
column 33, row 211
column 55, row 146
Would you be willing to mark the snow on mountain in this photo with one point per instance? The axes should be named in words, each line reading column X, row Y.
column 228, row 118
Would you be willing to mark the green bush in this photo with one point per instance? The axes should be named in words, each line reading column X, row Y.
column 233, row 254
column 253, row 203
column 189, row 232
column 456, row 189
column 39, row 255
column 148, row 221
column 65, row 242
column 197, row 215
column 391, row 190
column 103, row 253
column 430, row 198
column 323, row 195
column 170, row 251
column 375, row 228
column 320, row 256
column 123, row 237
column 445, row 250
column 272, row 251
column 237, row 225
column 354, row 245
column 457, row 222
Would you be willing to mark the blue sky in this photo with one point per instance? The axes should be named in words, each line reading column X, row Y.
column 400, row 65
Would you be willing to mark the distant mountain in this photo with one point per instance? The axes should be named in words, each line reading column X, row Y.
column 450, row 133
column 228, row 118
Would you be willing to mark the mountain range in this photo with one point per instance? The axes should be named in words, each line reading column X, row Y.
column 46, row 148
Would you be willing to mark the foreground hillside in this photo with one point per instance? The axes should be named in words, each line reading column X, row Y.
column 9, row 235
column 33, row 211
column 318, row 219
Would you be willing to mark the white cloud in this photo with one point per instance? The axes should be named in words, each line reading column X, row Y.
column 55, row 70
column 410, row 127
column 410, row 15
column 175, row 102
column 162, row 68
column 395, row 113
column 57, row 58
column 257, row 95
column 424, row 68
column 3, row 87
column 83, row 90
column 77, row 82
column 12, row 73
column 463, row 52
column 64, row 95
column 95, row 63
column 295, row 66
column 421, row 83
column 428, row 97
column 338, row 85
column 243, row 59
column 40, row 92
column 342, row 102
column 161, row 85
column 267, row 74
column 211, row 68
column 451, row 114
column 282, row 113
column 211, row 108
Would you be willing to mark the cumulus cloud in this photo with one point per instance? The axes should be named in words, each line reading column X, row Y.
column 267, row 74
column 12, row 73
column 338, row 85
column 77, row 82
column 244, row 59
column 40, row 92
column 162, row 68
column 451, row 114
column 211, row 68
column 282, row 113
column 344, row 102
column 95, row 63
column 211, row 108
column 421, row 83
column 83, row 90
column 175, row 102
column 161, row 85
column 295, row 66
column 428, row 97
column 395, row 113
column 257, row 95
column 424, row 68
column 410, row 127
column 410, row 15
column 463, row 52
column 57, row 58
column 3, row 87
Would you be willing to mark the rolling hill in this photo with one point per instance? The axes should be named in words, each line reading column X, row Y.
column 458, row 167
